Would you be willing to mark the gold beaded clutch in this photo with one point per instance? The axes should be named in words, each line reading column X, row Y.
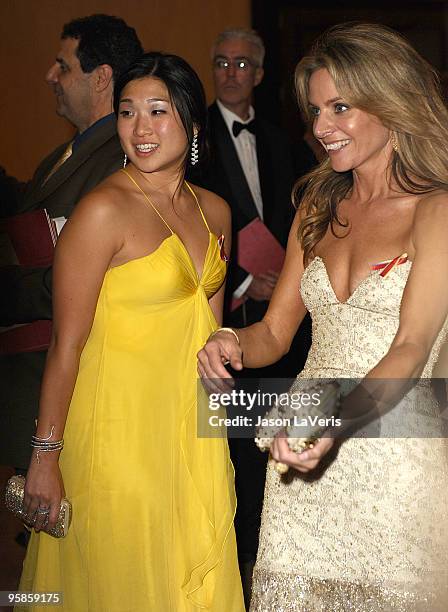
column 301, row 438
column 14, row 502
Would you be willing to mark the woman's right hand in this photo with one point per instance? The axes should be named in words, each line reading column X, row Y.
column 44, row 490
column 221, row 349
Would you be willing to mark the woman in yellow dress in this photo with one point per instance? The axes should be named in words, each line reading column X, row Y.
column 138, row 287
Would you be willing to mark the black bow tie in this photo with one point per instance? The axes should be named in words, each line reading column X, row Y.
column 237, row 127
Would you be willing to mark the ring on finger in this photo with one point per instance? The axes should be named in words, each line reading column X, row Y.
column 44, row 511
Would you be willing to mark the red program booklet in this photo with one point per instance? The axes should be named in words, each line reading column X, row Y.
column 26, row 338
column 258, row 252
column 33, row 237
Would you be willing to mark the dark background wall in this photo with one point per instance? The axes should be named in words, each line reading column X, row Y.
column 289, row 27
column 29, row 40
column 30, row 29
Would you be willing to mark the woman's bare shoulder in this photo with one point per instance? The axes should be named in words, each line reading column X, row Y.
column 438, row 195
column 107, row 203
column 110, row 197
column 209, row 198
column 432, row 207
column 215, row 208
column 430, row 227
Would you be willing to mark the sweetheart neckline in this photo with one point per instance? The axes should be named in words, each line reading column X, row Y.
column 173, row 234
column 363, row 281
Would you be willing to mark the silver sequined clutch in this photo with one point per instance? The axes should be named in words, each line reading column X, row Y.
column 14, row 502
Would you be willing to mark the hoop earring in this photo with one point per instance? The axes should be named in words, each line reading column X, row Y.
column 125, row 160
column 194, row 155
column 394, row 143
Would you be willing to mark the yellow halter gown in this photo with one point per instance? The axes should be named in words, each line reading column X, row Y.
column 153, row 504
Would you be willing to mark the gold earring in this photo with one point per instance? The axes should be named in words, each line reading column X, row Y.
column 394, row 143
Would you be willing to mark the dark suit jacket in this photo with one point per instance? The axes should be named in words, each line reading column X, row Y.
column 25, row 293
column 223, row 175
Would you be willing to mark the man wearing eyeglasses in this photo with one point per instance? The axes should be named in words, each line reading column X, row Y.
column 251, row 167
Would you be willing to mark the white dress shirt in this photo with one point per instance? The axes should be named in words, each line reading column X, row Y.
column 245, row 145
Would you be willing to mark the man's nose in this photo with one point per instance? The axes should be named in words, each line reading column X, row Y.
column 52, row 74
column 231, row 70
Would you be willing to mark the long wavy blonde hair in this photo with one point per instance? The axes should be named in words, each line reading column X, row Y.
column 377, row 71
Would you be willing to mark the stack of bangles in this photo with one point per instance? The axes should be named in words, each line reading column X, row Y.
column 45, row 446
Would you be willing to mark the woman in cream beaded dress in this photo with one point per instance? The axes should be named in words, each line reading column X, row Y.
column 361, row 525
column 138, row 288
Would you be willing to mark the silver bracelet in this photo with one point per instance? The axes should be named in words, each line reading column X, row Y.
column 44, row 445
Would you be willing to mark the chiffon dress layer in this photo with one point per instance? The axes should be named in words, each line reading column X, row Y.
column 153, row 505
column 368, row 533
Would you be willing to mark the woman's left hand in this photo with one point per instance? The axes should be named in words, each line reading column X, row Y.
column 302, row 462
column 44, row 489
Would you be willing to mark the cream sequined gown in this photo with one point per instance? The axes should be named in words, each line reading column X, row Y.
column 370, row 532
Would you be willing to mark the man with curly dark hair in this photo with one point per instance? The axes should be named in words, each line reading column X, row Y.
column 93, row 52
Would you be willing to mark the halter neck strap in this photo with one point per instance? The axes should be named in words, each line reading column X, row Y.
column 147, row 198
column 199, row 206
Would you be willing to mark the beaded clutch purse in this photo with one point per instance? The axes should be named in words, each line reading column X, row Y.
column 301, row 430
column 14, row 502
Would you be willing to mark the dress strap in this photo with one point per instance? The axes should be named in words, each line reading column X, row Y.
column 199, row 206
column 147, row 198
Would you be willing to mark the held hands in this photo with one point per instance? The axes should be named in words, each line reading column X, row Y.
column 262, row 286
column 221, row 348
column 44, row 490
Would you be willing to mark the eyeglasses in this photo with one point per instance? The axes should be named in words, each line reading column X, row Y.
column 241, row 64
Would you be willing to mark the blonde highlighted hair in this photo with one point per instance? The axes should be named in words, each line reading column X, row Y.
column 377, row 71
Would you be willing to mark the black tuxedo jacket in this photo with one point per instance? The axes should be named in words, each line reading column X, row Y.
column 223, row 174
column 25, row 293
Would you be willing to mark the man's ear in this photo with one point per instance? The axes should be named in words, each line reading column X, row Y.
column 259, row 74
column 103, row 77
